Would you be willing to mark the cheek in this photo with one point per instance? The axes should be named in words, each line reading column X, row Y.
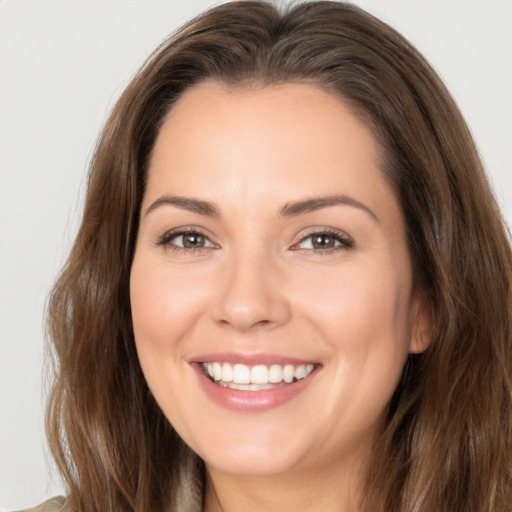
column 164, row 305
column 164, row 308
column 363, row 316
column 357, row 305
column 162, row 314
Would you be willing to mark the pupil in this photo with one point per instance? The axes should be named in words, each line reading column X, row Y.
column 323, row 242
column 193, row 240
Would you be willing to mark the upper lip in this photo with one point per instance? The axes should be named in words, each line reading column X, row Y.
column 250, row 359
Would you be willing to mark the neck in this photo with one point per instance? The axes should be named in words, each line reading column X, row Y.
column 326, row 490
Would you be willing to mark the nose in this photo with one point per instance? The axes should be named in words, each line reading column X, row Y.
column 251, row 296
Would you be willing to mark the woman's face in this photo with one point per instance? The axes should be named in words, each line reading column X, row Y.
column 271, row 288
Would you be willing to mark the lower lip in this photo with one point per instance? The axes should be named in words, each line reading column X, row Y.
column 252, row 401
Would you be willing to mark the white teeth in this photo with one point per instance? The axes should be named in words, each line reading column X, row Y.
column 241, row 376
column 275, row 374
column 300, row 372
column 217, row 371
column 288, row 373
column 227, row 372
column 246, row 387
column 259, row 374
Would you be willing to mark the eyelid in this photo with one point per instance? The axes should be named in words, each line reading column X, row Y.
column 165, row 239
column 345, row 241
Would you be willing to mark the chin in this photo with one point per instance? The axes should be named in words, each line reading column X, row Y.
column 253, row 454
column 260, row 464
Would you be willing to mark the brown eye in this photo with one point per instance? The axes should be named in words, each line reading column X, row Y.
column 186, row 240
column 193, row 240
column 323, row 241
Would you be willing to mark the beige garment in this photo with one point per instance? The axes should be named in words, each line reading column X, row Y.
column 52, row 505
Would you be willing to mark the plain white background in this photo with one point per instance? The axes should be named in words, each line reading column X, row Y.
column 62, row 66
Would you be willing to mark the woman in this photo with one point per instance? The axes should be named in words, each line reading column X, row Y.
column 291, row 286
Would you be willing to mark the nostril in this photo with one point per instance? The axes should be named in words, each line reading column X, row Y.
column 245, row 324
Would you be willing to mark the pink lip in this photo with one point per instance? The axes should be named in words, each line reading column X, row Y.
column 251, row 401
column 248, row 359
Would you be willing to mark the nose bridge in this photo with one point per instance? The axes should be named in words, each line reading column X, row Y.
column 250, row 296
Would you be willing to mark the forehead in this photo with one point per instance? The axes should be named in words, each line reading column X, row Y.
column 268, row 143
column 256, row 112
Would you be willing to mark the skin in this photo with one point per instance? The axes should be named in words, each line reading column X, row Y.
column 259, row 286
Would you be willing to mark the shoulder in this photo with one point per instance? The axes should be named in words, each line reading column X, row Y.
column 52, row 505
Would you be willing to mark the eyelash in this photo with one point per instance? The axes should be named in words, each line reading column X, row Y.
column 343, row 240
column 166, row 241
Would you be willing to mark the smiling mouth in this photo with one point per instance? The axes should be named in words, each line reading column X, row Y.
column 255, row 378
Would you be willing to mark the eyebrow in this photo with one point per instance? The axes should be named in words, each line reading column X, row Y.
column 317, row 203
column 288, row 210
column 186, row 203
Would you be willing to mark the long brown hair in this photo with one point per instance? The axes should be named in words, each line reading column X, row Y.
column 447, row 442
